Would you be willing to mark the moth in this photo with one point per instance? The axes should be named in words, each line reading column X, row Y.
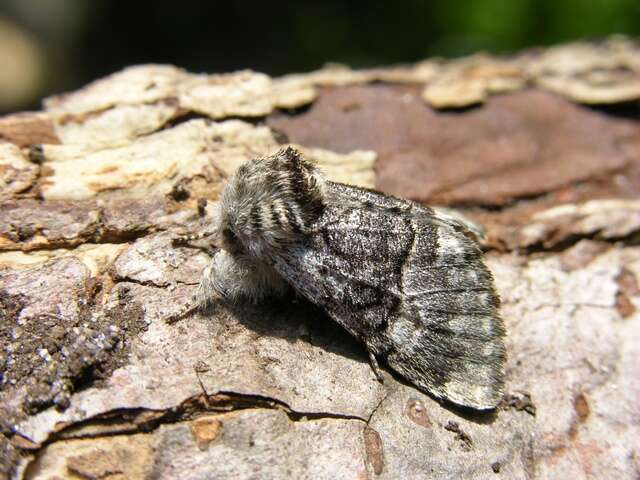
column 407, row 281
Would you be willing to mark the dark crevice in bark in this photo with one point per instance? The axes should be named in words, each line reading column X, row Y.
column 129, row 421
column 151, row 283
column 375, row 409
column 99, row 238
column 499, row 207
column 631, row 240
column 188, row 115
column 534, row 197
column 184, row 117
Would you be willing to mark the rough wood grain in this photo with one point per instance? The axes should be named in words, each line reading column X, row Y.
column 95, row 383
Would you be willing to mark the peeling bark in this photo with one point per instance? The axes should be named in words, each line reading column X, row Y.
column 97, row 382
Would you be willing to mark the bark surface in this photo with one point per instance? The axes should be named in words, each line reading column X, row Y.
column 543, row 149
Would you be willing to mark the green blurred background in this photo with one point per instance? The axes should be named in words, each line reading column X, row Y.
column 49, row 46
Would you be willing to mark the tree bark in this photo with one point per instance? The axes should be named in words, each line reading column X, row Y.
column 542, row 148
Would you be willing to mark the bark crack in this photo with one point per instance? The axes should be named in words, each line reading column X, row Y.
column 375, row 409
column 145, row 420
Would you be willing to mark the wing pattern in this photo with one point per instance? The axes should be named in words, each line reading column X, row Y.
column 411, row 285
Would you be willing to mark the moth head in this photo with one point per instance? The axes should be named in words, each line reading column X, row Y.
column 224, row 236
column 269, row 202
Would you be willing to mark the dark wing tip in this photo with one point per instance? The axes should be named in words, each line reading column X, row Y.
column 479, row 386
column 457, row 357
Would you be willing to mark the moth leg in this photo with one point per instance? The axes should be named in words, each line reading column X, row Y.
column 203, row 299
column 184, row 311
column 375, row 367
column 208, row 292
column 194, row 241
column 186, row 238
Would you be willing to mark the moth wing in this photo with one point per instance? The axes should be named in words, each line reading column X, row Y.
column 459, row 221
column 448, row 336
column 411, row 285
column 346, row 264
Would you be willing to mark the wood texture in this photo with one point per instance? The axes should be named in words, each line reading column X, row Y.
column 97, row 384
